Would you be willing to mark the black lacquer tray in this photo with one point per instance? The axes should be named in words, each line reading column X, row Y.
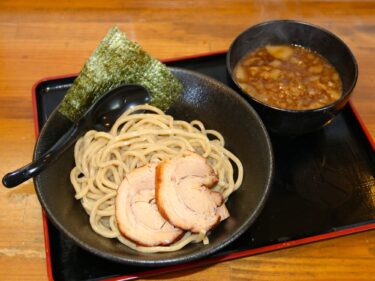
column 324, row 187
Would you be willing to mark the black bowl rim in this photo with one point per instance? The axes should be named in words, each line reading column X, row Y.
column 196, row 255
column 302, row 23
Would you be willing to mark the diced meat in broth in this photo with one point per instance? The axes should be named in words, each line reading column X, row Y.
column 288, row 76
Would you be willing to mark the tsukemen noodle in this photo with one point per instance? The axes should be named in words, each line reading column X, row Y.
column 118, row 175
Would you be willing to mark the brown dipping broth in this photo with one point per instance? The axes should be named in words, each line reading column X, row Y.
column 288, row 77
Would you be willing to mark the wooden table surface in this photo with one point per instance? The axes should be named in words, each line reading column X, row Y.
column 46, row 38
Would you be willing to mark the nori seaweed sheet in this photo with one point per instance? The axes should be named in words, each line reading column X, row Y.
column 118, row 60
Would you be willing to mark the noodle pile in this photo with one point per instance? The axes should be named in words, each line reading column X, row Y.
column 136, row 139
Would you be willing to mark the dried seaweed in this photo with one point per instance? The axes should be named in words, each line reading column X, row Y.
column 118, row 60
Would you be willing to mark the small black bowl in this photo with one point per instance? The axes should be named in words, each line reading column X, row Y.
column 296, row 122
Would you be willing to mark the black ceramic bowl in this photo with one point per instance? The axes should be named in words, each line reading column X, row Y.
column 218, row 107
column 296, row 122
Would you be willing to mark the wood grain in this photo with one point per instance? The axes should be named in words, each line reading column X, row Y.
column 45, row 38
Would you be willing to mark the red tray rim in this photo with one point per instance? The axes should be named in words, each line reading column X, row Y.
column 204, row 261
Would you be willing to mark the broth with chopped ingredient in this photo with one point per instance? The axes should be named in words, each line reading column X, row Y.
column 288, row 77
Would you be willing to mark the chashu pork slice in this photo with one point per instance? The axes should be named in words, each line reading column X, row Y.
column 137, row 215
column 183, row 193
